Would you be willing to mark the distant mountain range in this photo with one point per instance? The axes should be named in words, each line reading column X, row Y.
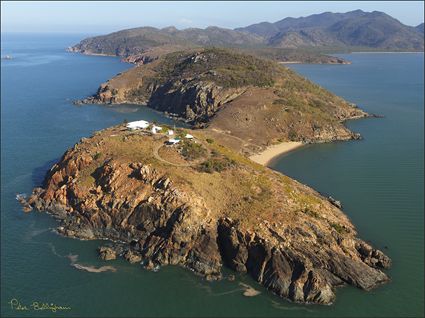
column 354, row 31
column 133, row 41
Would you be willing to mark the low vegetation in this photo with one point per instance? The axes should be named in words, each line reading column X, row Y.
column 226, row 68
column 97, row 155
column 311, row 213
column 264, row 100
column 191, row 150
column 216, row 164
column 303, row 55
column 339, row 228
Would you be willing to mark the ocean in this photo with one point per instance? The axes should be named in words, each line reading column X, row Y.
column 380, row 181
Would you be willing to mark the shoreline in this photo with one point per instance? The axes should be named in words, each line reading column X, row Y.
column 388, row 52
column 313, row 63
column 265, row 157
column 290, row 62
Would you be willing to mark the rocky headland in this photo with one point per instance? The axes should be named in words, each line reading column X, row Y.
column 255, row 100
column 203, row 206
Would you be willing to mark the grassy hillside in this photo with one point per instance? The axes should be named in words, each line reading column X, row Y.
column 222, row 67
column 204, row 212
column 255, row 100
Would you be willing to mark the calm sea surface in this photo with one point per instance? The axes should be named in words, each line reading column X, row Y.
column 379, row 180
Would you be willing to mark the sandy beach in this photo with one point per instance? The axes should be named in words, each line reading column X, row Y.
column 290, row 62
column 267, row 155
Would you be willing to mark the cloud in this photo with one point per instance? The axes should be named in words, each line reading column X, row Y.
column 185, row 21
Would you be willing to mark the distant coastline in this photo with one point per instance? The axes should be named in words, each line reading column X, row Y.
column 387, row 52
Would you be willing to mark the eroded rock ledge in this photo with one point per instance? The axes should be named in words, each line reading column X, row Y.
column 246, row 217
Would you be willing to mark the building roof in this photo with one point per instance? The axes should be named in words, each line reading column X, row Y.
column 173, row 140
column 140, row 124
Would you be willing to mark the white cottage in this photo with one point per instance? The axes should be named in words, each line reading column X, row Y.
column 173, row 141
column 140, row 124
column 155, row 129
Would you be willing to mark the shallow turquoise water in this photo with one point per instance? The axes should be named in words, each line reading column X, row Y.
column 379, row 180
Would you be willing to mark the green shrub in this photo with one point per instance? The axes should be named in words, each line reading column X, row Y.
column 209, row 140
column 339, row 228
column 318, row 103
column 279, row 101
column 311, row 213
column 180, row 133
column 191, row 150
column 292, row 135
column 216, row 164
column 97, row 155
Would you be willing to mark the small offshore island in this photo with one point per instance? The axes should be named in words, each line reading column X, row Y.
column 202, row 203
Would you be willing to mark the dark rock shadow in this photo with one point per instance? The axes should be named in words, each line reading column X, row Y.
column 39, row 173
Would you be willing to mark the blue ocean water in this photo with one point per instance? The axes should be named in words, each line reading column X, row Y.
column 379, row 180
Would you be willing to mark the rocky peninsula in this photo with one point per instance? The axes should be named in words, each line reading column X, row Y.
column 203, row 206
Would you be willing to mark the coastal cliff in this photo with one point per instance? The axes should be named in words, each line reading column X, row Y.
column 203, row 206
column 250, row 98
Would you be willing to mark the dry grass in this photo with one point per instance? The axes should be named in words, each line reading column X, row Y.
column 277, row 104
column 245, row 190
column 171, row 154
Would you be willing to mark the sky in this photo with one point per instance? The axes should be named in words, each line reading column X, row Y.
column 97, row 17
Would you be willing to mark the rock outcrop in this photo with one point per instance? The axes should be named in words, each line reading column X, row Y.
column 196, row 102
column 298, row 273
column 107, row 253
column 246, row 217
